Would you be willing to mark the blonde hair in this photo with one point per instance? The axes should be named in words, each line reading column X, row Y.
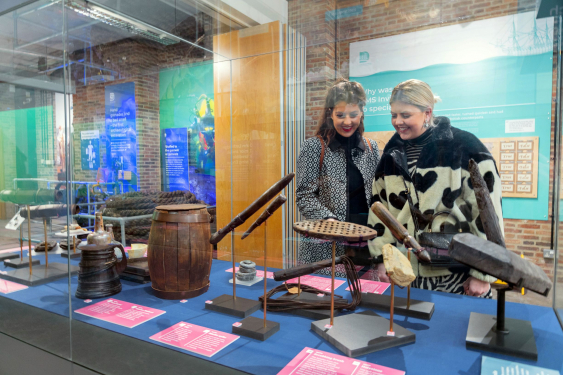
column 417, row 93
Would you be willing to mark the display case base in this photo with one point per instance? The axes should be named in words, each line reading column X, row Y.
column 20, row 263
column 310, row 298
column 362, row 333
column 6, row 256
column 518, row 342
column 417, row 309
column 239, row 307
column 73, row 255
column 40, row 274
column 249, row 282
column 254, row 328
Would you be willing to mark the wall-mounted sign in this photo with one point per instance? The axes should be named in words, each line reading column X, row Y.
column 90, row 149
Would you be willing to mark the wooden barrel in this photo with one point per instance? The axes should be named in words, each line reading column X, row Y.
column 179, row 252
column 99, row 271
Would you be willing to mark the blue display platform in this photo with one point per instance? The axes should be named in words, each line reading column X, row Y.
column 439, row 347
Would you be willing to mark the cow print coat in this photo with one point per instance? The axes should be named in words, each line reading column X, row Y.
column 442, row 183
column 321, row 191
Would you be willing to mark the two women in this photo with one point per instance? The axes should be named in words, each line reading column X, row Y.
column 423, row 180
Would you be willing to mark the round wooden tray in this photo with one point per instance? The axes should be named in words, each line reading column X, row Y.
column 181, row 207
column 339, row 231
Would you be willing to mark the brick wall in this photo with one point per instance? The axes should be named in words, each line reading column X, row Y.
column 382, row 18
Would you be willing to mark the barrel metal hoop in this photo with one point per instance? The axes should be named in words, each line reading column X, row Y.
column 179, row 218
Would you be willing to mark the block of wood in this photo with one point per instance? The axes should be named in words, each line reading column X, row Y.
column 397, row 265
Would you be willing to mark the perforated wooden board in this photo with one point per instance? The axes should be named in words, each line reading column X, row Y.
column 339, row 231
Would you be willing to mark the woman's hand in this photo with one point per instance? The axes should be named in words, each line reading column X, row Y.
column 382, row 273
column 475, row 287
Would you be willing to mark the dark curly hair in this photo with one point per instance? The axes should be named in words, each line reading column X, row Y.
column 342, row 91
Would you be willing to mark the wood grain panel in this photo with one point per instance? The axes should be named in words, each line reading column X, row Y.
column 184, row 255
column 256, row 137
column 155, row 254
column 171, row 256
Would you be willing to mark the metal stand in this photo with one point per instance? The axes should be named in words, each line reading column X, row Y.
column 501, row 335
column 251, row 327
column 231, row 305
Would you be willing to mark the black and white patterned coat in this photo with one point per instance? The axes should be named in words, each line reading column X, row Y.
column 322, row 191
column 442, row 183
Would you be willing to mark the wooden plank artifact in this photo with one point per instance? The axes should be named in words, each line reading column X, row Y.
column 305, row 269
column 276, row 203
column 487, row 211
column 499, row 262
column 339, row 231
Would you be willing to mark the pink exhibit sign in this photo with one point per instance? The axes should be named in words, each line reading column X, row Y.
column 322, row 283
column 313, row 361
column 120, row 312
column 375, row 287
column 9, row 287
column 259, row 273
column 196, row 339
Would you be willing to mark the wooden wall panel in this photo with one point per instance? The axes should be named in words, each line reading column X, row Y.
column 254, row 160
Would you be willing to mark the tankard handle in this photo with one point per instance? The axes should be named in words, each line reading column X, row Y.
column 120, row 267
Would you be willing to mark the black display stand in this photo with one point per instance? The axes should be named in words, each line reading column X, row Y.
column 73, row 255
column 40, row 274
column 310, row 297
column 417, row 309
column 239, row 307
column 21, row 263
column 254, row 328
column 137, row 270
column 6, row 256
column 362, row 333
column 500, row 335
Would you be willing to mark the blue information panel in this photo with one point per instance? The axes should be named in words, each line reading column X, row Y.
column 90, row 149
column 121, row 133
column 176, row 159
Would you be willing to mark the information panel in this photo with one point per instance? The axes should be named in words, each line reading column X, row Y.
column 176, row 159
column 121, row 133
column 90, row 149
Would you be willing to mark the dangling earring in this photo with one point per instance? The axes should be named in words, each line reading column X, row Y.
column 426, row 124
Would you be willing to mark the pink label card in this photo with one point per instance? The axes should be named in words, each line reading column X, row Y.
column 375, row 287
column 259, row 273
column 322, row 283
column 313, row 361
column 9, row 287
column 195, row 339
column 120, row 312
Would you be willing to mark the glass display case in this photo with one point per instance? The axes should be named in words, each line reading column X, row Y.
column 142, row 139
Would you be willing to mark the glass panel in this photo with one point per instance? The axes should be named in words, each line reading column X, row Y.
column 32, row 178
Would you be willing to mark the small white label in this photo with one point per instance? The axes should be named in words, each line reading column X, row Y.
column 520, row 126
column 15, row 222
column 390, row 333
column 237, row 324
column 525, row 156
column 184, row 301
column 525, row 145
column 524, row 189
column 506, row 177
column 328, row 326
column 507, row 146
column 209, row 302
column 509, row 188
column 87, row 300
column 506, row 156
column 320, row 295
column 524, row 167
column 507, row 167
column 524, row 177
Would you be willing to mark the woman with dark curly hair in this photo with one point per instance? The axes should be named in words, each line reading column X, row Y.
column 336, row 168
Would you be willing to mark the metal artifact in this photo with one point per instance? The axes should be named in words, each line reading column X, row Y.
column 252, row 208
column 32, row 197
column 100, row 236
column 400, row 232
column 49, row 210
column 487, row 211
column 276, row 203
column 497, row 261
column 246, row 271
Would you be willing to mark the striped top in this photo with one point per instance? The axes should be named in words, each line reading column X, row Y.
column 414, row 147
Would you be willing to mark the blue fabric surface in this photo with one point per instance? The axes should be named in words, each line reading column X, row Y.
column 439, row 348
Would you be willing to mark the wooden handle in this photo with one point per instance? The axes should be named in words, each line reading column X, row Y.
column 397, row 229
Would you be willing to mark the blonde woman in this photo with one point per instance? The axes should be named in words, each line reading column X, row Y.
column 423, row 178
